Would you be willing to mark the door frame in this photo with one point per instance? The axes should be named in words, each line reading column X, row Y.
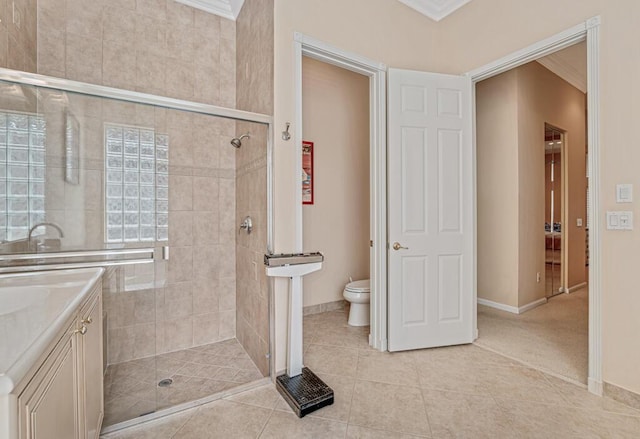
column 588, row 31
column 305, row 45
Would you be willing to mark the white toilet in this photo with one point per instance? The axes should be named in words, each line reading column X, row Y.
column 358, row 294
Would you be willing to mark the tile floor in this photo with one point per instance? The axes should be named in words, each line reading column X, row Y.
column 553, row 337
column 131, row 388
column 455, row 392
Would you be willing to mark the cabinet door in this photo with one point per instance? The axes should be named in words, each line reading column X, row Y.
column 91, row 381
column 48, row 405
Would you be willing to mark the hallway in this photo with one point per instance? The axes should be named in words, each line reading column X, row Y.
column 553, row 337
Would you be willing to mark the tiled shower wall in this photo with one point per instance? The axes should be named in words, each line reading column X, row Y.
column 165, row 48
column 18, row 35
column 254, row 42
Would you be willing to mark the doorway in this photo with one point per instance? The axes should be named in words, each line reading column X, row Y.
column 335, row 104
column 525, row 269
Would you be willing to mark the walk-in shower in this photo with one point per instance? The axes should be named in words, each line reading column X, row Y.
column 121, row 172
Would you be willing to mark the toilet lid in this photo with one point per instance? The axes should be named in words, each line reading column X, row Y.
column 359, row 286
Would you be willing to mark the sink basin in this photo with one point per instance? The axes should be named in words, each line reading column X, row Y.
column 14, row 299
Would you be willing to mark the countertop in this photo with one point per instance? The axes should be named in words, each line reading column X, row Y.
column 33, row 310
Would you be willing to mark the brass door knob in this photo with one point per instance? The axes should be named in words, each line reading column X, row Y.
column 87, row 321
column 82, row 330
column 397, row 246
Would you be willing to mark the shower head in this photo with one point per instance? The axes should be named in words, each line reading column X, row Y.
column 237, row 142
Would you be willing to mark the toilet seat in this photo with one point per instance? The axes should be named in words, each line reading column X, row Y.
column 359, row 286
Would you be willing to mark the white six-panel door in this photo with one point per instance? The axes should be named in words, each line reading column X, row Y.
column 430, row 210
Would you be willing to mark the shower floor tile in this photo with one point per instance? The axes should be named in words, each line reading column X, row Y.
column 131, row 389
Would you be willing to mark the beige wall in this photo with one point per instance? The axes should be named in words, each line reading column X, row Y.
column 254, row 43
column 545, row 98
column 359, row 26
column 497, row 155
column 335, row 108
column 18, row 41
column 511, row 181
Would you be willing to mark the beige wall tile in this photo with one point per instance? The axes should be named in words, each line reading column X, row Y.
column 152, row 8
column 227, row 293
column 205, row 295
column 150, row 35
column 181, row 42
column 180, row 192
column 52, row 18
column 181, row 228
column 205, row 194
column 119, row 27
column 127, row 5
column 4, row 47
column 227, row 324
column 206, row 328
column 180, row 264
column 206, row 262
column 121, row 342
column 85, row 17
column 144, row 307
column 180, row 79
column 150, row 72
column 205, row 228
column 177, row 13
column 144, row 340
column 83, row 58
column 15, row 54
column 180, row 308
column 178, row 334
column 206, row 22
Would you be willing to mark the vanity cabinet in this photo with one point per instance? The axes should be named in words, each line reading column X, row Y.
column 64, row 398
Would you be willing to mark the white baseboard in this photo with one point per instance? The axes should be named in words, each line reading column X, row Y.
column 534, row 304
column 577, row 287
column 512, row 309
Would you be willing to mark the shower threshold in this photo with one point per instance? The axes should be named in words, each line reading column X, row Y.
column 198, row 375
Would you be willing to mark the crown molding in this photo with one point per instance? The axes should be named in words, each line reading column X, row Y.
column 224, row 8
column 435, row 9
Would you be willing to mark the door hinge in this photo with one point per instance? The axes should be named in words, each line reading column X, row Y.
column 371, row 243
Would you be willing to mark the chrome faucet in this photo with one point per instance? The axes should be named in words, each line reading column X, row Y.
column 32, row 229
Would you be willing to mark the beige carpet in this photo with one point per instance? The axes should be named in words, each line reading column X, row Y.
column 553, row 337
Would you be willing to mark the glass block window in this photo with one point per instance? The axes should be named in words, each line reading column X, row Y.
column 22, row 173
column 137, row 184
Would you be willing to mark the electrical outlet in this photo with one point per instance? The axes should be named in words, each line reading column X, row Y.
column 538, row 277
column 579, row 222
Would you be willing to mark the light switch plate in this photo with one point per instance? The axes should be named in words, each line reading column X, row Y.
column 624, row 193
column 579, row 222
column 613, row 221
column 619, row 220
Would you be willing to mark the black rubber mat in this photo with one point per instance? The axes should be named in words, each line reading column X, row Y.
column 305, row 393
